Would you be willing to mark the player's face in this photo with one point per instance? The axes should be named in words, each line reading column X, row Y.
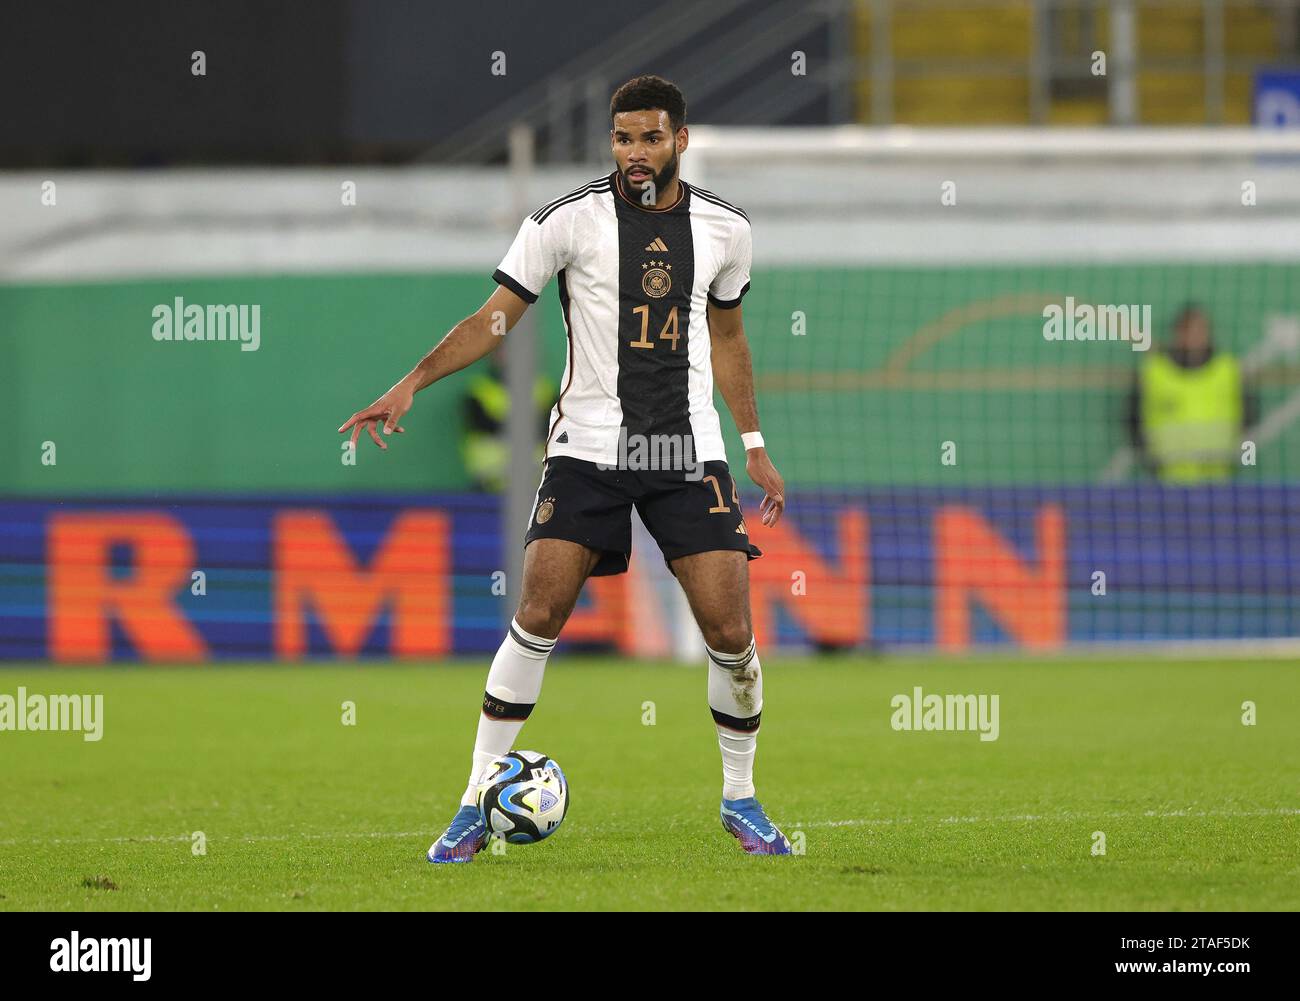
column 645, row 148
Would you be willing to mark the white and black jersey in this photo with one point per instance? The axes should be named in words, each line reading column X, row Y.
column 634, row 283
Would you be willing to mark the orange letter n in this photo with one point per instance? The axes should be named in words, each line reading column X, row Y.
column 973, row 561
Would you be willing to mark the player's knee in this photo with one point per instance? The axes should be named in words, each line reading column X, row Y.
column 541, row 617
column 729, row 637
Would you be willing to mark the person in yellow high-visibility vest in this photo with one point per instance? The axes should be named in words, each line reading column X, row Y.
column 1190, row 406
column 486, row 405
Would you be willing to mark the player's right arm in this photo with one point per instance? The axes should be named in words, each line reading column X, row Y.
column 540, row 249
column 473, row 337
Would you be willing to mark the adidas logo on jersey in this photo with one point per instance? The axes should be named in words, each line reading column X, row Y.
column 658, row 245
column 563, row 439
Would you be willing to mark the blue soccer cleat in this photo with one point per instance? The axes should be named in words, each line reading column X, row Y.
column 746, row 821
column 459, row 842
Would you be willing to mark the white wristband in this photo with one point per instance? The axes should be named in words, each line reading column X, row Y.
column 752, row 439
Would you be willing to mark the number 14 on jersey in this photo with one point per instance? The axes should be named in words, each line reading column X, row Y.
column 668, row 333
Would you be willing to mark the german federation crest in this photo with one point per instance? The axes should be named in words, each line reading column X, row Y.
column 656, row 282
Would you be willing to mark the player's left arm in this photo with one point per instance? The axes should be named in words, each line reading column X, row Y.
column 733, row 372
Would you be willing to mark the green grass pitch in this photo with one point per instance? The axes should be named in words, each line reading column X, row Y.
column 301, row 812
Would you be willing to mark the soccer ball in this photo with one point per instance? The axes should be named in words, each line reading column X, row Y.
column 523, row 796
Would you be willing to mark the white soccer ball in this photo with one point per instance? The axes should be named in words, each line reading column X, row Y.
column 523, row 796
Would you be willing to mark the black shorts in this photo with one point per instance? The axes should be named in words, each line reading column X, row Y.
column 580, row 502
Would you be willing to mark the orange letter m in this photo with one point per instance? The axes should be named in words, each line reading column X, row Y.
column 313, row 565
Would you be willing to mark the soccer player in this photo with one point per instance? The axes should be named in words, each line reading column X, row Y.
column 651, row 271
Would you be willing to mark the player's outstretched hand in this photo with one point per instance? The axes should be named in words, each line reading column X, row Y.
column 386, row 410
column 764, row 474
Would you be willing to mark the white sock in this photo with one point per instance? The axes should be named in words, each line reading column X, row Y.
column 513, row 684
column 736, row 698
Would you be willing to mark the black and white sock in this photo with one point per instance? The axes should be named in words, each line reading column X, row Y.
column 513, row 685
column 736, row 699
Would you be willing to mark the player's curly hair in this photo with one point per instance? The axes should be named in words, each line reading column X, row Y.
column 650, row 93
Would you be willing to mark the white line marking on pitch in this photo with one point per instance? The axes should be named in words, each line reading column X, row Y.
column 861, row 822
column 247, row 837
column 1059, row 817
